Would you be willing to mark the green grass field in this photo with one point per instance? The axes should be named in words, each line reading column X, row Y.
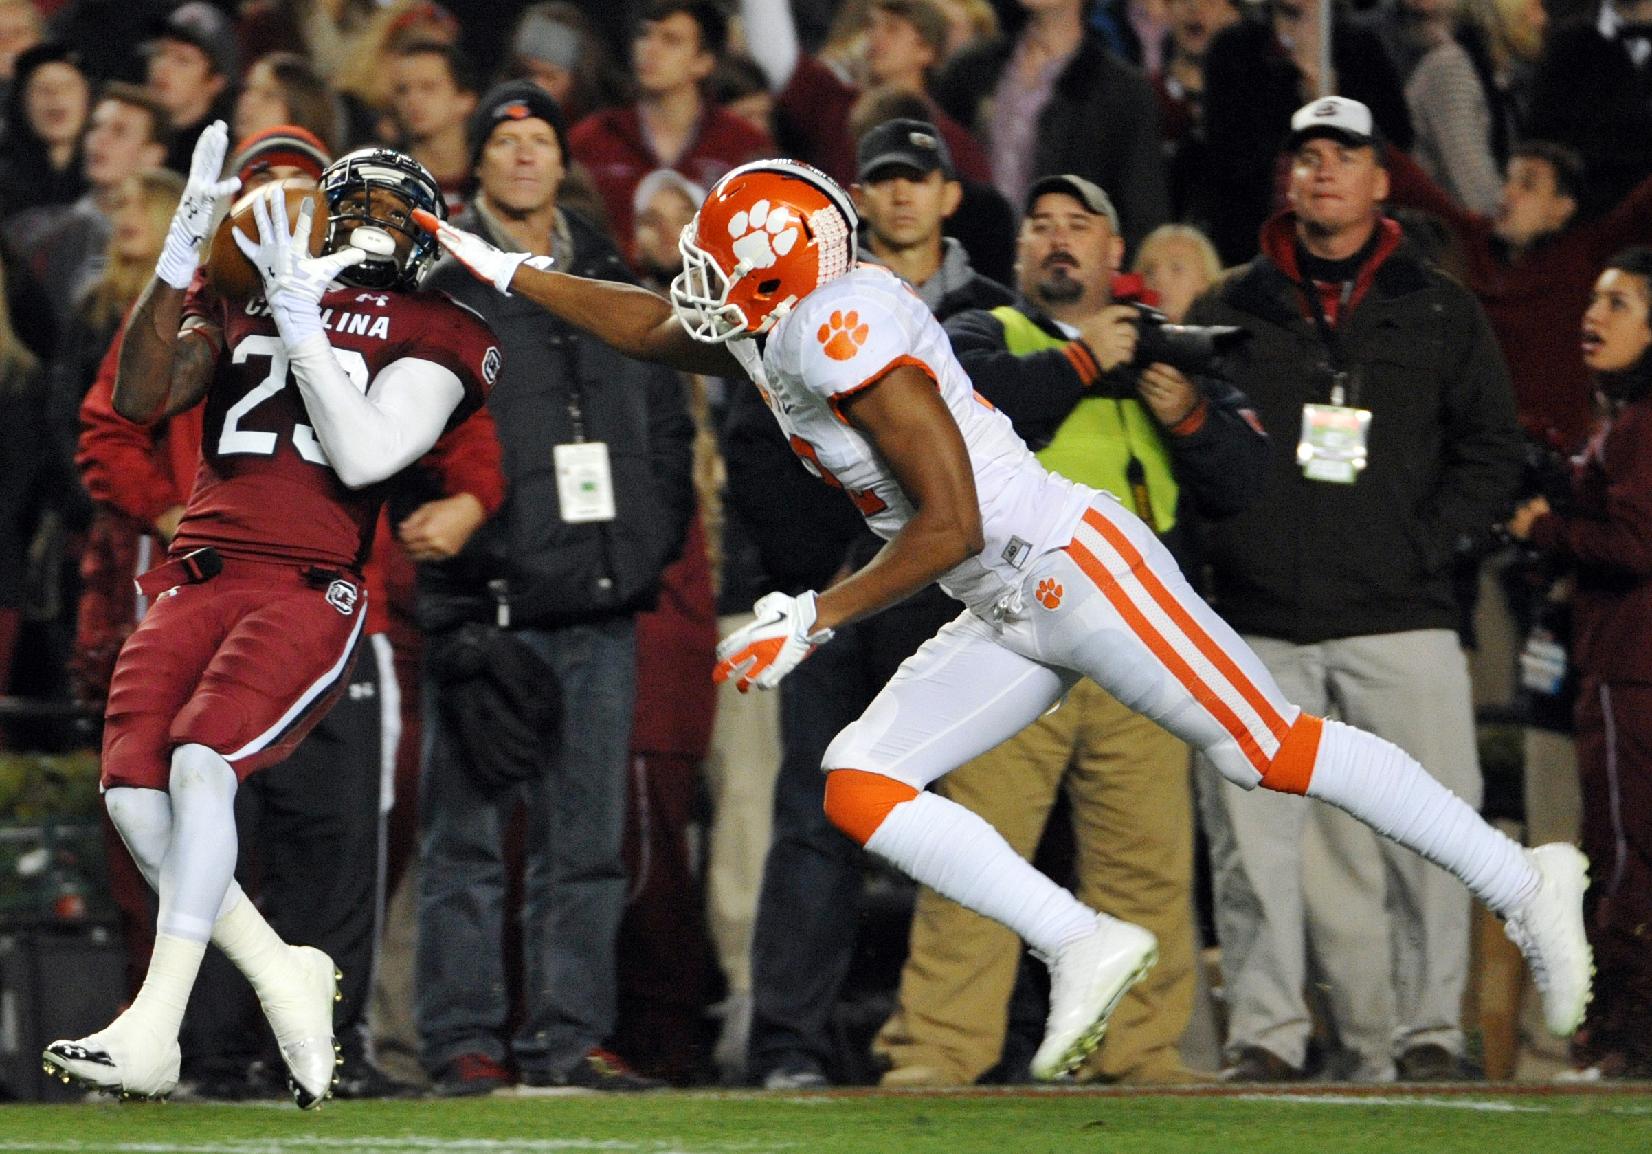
column 1464, row 1120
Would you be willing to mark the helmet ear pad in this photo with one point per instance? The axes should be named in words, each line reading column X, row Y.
column 370, row 195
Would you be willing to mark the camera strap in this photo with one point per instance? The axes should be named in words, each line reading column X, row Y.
column 1343, row 385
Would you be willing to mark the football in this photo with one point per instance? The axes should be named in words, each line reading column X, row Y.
column 231, row 273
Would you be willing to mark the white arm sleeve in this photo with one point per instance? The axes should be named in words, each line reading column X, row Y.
column 771, row 38
column 369, row 439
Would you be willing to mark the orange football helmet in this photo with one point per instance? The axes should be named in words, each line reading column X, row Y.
column 769, row 233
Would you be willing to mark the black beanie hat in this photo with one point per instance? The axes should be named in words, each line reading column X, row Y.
column 514, row 100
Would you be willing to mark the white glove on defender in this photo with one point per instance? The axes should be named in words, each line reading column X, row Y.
column 294, row 281
column 485, row 262
column 181, row 252
column 776, row 643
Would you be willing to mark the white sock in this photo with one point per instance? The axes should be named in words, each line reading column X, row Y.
column 199, row 866
column 958, row 855
column 143, row 817
column 255, row 948
column 1385, row 787
column 173, row 964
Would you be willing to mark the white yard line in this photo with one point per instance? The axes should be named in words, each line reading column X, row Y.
column 1377, row 1100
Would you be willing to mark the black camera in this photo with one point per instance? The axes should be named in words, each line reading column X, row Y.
column 1194, row 349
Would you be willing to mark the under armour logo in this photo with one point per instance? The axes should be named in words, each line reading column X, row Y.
column 1049, row 593
column 380, row 299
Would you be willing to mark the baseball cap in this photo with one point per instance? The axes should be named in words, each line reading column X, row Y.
column 914, row 144
column 207, row 28
column 543, row 36
column 1337, row 116
column 660, row 178
column 514, row 100
column 285, row 144
column 1086, row 192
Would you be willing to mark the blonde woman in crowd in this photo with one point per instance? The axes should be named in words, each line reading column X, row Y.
column 142, row 213
column 1177, row 262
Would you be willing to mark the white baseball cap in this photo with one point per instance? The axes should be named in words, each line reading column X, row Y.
column 1337, row 116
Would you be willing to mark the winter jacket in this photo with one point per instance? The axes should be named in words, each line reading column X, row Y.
column 1607, row 536
column 559, row 386
column 1313, row 560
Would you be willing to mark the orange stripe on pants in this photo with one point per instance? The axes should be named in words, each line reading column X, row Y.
column 1168, row 657
column 1206, row 645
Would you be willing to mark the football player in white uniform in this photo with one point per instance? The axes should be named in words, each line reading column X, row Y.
column 1059, row 582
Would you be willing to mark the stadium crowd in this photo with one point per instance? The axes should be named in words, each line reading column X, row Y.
column 545, row 849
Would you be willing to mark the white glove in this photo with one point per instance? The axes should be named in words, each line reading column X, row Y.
column 486, row 263
column 181, row 252
column 294, row 281
column 776, row 643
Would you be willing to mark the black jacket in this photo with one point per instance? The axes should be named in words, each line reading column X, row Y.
column 1219, row 464
column 1101, row 123
column 554, row 376
column 1311, row 561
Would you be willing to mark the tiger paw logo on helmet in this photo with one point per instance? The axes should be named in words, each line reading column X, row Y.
column 842, row 335
column 1049, row 593
column 763, row 233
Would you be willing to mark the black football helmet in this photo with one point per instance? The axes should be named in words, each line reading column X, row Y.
column 371, row 221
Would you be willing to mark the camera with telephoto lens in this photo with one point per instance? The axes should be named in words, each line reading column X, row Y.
column 1194, row 349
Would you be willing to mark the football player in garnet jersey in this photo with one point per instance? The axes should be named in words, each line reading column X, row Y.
column 1059, row 582
column 317, row 394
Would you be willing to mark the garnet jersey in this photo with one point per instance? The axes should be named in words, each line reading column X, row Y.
column 265, row 489
column 848, row 334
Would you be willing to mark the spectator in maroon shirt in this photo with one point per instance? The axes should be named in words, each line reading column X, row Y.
column 1531, row 266
column 671, row 124
column 1606, row 538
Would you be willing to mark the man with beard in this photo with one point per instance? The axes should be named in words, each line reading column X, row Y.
column 1060, row 363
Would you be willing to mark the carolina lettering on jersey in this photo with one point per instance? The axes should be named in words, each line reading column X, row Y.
column 265, row 488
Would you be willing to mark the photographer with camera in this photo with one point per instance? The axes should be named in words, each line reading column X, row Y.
column 1395, row 452
column 1064, row 362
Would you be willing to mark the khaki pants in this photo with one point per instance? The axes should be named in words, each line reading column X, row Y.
column 1128, row 784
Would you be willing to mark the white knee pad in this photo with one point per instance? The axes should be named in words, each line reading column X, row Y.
column 200, row 773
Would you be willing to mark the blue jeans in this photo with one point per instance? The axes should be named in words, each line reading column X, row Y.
column 807, row 911
column 573, row 878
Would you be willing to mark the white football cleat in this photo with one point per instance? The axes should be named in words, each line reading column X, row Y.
column 300, row 1012
column 1088, row 976
column 1548, row 928
column 125, row 1058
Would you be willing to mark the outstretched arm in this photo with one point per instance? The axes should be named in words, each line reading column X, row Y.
column 159, row 375
column 634, row 321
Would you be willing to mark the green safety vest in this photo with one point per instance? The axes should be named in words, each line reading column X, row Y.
column 1094, row 444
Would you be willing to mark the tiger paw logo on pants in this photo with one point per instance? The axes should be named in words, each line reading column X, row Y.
column 842, row 335
column 1049, row 593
